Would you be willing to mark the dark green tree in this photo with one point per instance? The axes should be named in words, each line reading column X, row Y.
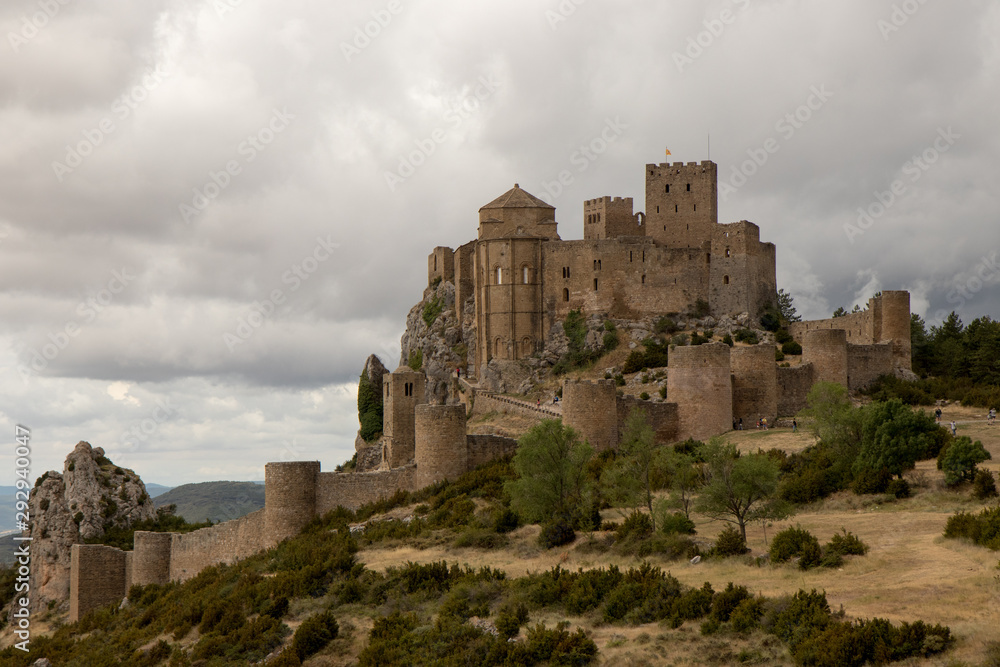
column 369, row 408
column 840, row 312
column 920, row 345
column 786, row 307
column 895, row 437
column 960, row 460
column 982, row 347
column 551, row 464
column 948, row 344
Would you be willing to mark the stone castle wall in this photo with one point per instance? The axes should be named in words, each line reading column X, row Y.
column 227, row 542
column 699, row 381
column 442, row 450
column 826, row 350
column 352, row 490
column 441, row 265
column 150, row 558
column 866, row 363
column 681, row 202
column 663, row 417
column 98, row 577
column 485, row 402
column 794, row 384
column 591, row 408
column 755, row 383
column 607, row 218
column 485, row 448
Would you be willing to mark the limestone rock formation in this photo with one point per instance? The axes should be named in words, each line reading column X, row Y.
column 374, row 370
column 90, row 496
column 442, row 342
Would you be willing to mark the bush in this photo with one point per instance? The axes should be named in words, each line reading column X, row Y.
column 677, row 523
column 510, row 618
column 726, row 602
column 644, row 396
column 778, row 355
column 983, row 529
column 728, row 340
column 416, row 360
column 984, row 486
column 432, row 309
column 847, row 544
column 899, row 488
column 477, row 538
column 665, row 325
column 960, row 458
column 314, row 634
column 746, row 336
column 791, row 347
column 506, row 520
column 746, row 617
column 730, row 543
column 610, row 341
column 872, row 481
column 792, row 542
column 637, row 525
column 556, row 533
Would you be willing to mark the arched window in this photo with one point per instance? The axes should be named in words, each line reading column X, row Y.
column 526, row 346
column 525, row 274
column 498, row 348
column 565, row 294
column 497, row 276
column 725, row 280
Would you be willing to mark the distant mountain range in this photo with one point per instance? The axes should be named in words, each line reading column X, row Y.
column 218, row 501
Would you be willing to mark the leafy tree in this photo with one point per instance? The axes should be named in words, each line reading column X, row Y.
column 552, row 478
column 960, row 460
column 369, row 408
column 894, row 437
column 685, row 480
column 786, row 308
column 834, row 419
column 629, row 480
column 740, row 489
column 840, row 312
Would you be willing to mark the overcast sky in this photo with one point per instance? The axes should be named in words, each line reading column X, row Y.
column 211, row 212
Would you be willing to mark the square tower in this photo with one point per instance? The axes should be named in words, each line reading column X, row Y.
column 402, row 391
column 607, row 218
column 682, row 203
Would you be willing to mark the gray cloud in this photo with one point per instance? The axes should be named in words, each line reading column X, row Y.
column 148, row 108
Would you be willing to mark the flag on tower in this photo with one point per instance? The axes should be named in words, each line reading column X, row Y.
column 668, row 152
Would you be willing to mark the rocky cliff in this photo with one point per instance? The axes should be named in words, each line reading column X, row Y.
column 438, row 339
column 90, row 496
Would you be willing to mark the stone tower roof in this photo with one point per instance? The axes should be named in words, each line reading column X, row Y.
column 516, row 198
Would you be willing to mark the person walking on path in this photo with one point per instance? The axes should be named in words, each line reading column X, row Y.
column 953, row 427
column 795, row 426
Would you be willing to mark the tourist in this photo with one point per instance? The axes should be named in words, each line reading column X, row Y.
column 953, row 427
column 795, row 426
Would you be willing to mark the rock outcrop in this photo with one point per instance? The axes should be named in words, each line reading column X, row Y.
column 89, row 497
column 434, row 330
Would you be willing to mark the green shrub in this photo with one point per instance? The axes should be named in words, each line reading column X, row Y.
column 726, row 601
column 730, row 543
column 677, row 523
column 610, row 341
column 792, row 348
column 728, row 340
column 644, row 396
column 671, row 547
column 871, row 481
column 982, row 529
column 795, row 542
column 746, row 336
column 432, row 309
column 747, row 614
column 416, row 359
column 847, row 544
column 477, row 538
column 556, row 533
column 899, row 488
column 506, row 520
column 510, row 618
column 984, row 486
column 778, row 355
column 665, row 325
column 960, row 458
column 637, row 525
column 314, row 634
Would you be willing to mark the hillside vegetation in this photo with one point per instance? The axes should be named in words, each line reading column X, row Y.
column 214, row 501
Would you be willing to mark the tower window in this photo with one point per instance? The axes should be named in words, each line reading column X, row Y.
column 644, row 279
column 435, row 262
column 630, row 256
column 727, row 252
column 595, row 284
column 725, row 280
column 668, row 188
column 498, row 276
column 657, row 209
column 708, row 258
column 689, row 187
column 676, row 209
column 565, row 294
column 696, row 207
column 524, row 274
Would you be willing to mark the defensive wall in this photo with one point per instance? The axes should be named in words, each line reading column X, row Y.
column 699, row 381
column 295, row 493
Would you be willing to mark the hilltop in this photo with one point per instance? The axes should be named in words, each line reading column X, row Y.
column 213, row 501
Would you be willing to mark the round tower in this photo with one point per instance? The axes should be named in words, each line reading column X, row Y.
column 591, row 409
column 896, row 326
column 826, row 350
column 151, row 558
column 441, row 451
column 699, row 381
column 755, row 383
column 289, row 498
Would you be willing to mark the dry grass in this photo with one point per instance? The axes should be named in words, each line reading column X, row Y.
column 911, row 572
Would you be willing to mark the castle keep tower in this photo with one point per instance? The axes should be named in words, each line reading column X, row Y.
column 682, row 203
column 608, row 218
column 402, row 391
column 698, row 380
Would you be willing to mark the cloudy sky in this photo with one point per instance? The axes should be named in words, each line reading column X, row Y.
column 211, row 212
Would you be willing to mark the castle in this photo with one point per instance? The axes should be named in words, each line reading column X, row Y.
column 524, row 280
column 628, row 265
